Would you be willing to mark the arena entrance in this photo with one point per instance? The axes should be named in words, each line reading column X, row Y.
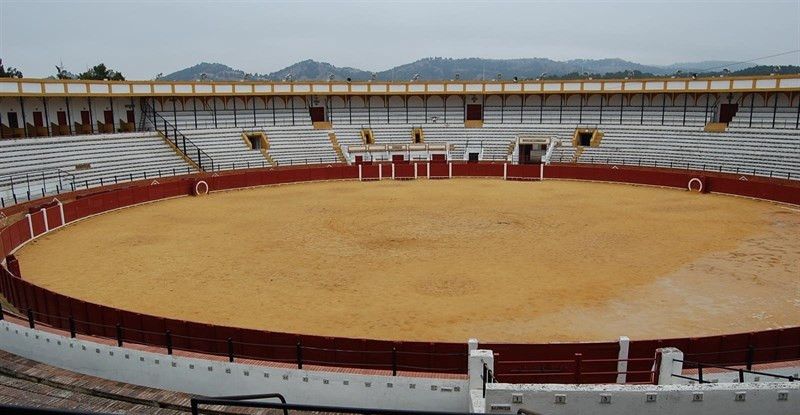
column 533, row 149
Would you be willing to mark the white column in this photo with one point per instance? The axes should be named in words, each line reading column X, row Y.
column 359, row 172
column 505, row 171
column 415, row 170
column 392, row 171
column 476, row 360
column 472, row 344
column 429, row 170
column 44, row 215
column 622, row 364
column 669, row 365
column 541, row 171
column 450, row 167
column 380, row 172
column 61, row 210
column 30, row 223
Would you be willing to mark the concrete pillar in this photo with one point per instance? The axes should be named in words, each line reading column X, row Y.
column 472, row 344
column 30, row 224
column 671, row 363
column 622, row 364
column 61, row 210
column 44, row 216
column 477, row 358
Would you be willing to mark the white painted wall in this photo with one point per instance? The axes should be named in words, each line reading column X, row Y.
column 716, row 399
column 205, row 377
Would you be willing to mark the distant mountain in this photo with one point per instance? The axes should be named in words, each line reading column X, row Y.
column 313, row 70
column 446, row 68
column 211, row 71
column 707, row 65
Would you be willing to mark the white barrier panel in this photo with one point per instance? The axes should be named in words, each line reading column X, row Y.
column 706, row 399
column 215, row 378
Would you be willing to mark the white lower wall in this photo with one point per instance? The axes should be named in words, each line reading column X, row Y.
column 214, row 378
column 706, row 399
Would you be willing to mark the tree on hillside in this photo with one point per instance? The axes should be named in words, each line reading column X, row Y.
column 11, row 72
column 101, row 73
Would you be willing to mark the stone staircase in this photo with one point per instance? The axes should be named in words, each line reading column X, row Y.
column 337, row 147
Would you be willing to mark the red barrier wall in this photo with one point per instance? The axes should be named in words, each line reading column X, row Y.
column 93, row 319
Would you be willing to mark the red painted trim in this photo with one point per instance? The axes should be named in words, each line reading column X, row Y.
column 99, row 320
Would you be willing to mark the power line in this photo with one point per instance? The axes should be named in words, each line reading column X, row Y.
column 752, row 60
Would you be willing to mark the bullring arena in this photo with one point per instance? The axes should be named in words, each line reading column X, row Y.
column 410, row 260
column 555, row 247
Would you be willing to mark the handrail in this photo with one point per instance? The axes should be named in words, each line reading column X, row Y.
column 247, row 402
column 36, row 177
column 741, row 371
column 234, row 401
column 194, row 153
column 709, row 167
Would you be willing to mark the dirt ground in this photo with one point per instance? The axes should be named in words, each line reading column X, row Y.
column 441, row 260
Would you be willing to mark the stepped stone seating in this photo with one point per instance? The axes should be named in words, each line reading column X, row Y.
column 227, row 147
column 300, row 145
column 56, row 164
column 766, row 117
column 774, row 153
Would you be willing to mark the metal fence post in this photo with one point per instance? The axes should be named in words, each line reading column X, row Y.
column 299, row 355
column 230, row 349
column 169, row 342
column 578, row 360
column 485, row 374
column 394, row 361
column 71, row 327
column 30, row 318
column 119, row 335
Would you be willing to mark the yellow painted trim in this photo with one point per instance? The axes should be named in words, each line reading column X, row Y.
column 559, row 87
column 367, row 136
column 322, row 125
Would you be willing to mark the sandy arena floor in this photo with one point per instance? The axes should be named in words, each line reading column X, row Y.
column 441, row 260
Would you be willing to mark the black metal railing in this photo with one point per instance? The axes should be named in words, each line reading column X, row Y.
column 30, row 188
column 188, row 148
column 702, row 378
column 257, row 401
column 708, row 167
column 33, row 184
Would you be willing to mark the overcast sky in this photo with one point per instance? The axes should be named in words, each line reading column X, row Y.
column 143, row 38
